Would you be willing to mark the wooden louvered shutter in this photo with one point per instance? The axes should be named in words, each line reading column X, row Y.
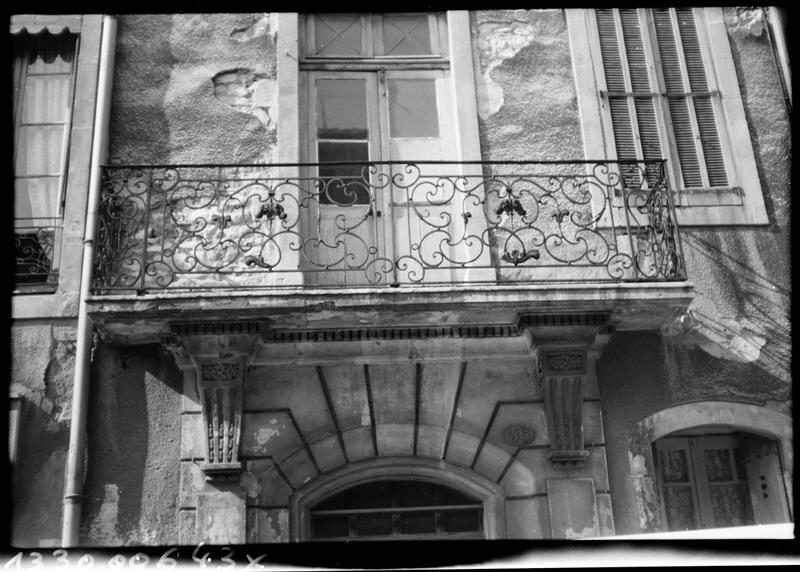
column 690, row 101
column 635, row 97
column 630, row 94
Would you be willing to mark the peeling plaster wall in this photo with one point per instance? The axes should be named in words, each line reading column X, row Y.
column 194, row 88
column 43, row 380
column 527, row 104
column 742, row 275
column 131, row 490
column 641, row 373
column 734, row 342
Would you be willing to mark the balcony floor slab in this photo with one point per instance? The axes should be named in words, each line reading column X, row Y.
column 146, row 318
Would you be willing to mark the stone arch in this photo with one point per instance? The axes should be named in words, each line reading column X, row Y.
column 747, row 417
column 400, row 468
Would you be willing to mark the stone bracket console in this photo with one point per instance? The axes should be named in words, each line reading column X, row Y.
column 566, row 348
column 220, row 386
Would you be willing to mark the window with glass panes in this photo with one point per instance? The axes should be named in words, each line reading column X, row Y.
column 400, row 510
column 42, row 83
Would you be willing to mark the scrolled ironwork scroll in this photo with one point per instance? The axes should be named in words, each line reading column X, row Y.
column 185, row 227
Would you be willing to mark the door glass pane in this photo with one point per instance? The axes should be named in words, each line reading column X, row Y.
column 718, row 465
column 679, row 505
column 412, row 108
column 415, row 494
column 406, row 35
column 674, row 465
column 343, row 184
column 325, row 526
column 731, row 505
column 341, row 109
column 417, row 522
column 374, row 524
column 462, row 520
column 337, row 35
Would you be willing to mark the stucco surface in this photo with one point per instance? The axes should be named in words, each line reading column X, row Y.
column 527, row 104
column 742, row 276
column 41, row 375
column 134, row 428
column 640, row 374
column 194, row 88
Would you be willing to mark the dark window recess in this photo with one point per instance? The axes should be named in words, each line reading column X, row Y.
column 397, row 509
column 343, row 185
column 34, row 251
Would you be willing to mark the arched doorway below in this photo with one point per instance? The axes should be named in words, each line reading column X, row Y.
column 717, row 476
column 394, row 498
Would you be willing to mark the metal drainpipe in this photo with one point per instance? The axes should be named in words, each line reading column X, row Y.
column 73, row 485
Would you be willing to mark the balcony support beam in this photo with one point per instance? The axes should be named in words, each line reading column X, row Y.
column 566, row 353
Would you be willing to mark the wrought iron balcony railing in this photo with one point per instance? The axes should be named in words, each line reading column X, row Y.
column 36, row 246
column 198, row 227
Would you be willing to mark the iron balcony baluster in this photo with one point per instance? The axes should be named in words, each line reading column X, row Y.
column 241, row 226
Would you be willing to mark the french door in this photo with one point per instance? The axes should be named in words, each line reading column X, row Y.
column 386, row 223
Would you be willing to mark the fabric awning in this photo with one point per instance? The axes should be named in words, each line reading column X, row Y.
column 35, row 23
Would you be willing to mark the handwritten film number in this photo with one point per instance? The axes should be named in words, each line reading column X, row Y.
column 138, row 560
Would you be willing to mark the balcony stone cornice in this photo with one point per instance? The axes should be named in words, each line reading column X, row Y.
column 147, row 318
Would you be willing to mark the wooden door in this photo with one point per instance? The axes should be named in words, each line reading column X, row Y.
column 418, row 118
column 342, row 244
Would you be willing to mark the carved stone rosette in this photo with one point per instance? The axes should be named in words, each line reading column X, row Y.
column 562, row 384
column 220, row 390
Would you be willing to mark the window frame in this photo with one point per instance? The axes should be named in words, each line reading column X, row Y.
column 709, row 206
column 438, row 510
column 372, row 40
column 487, row 492
column 60, row 299
column 54, row 228
column 696, row 442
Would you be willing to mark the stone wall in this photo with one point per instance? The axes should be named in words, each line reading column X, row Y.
column 194, row 88
column 41, row 375
column 302, row 425
column 527, row 104
column 131, row 489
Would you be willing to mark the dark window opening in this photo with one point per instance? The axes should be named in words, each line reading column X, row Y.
column 397, row 510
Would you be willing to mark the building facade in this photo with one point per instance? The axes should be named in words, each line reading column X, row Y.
column 481, row 275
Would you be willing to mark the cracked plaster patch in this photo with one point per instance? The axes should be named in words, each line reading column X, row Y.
column 250, row 484
column 735, row 338
column 638, row 465
column 103, row 527
column 746, row 21
column 264, row 434
column 248, row 92
column 259, row 26
column 587, row 532
column 498, row 42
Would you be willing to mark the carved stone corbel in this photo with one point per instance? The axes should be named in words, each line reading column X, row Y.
column 567, row 347
column 563, row 377
column 220, row 385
